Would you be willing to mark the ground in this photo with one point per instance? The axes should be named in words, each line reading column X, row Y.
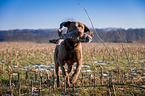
column 37, row 59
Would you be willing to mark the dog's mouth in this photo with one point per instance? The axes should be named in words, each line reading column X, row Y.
column 79, row 34
column 72, row 40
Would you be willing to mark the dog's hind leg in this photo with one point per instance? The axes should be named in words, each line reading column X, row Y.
column 57, row 66
column 57, row 70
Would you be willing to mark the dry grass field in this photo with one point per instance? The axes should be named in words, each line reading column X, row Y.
column 36, row 59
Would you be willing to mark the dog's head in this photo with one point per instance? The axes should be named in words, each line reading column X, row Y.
column 76, row 27
column 70, row 43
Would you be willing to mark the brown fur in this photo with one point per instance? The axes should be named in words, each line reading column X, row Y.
column 68, row 52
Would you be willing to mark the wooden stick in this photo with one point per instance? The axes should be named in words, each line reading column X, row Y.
column 50, row 89
column 41, row 77
column 90, row 79
column 18, row 76
column 39, row 87
column 110, row 82
column 53, row 80
column 131, row 93
column 35, row 76
column 3, row 66
column 10, row 80
column 47, row 75
column 101, row 77
column 122, row 77
column 73, row 87
column 131, row 85
column 108, row 85
column 110, row 78
column 82, row 79
column 12, row 90
column 26, row 77
column 96, row 32
column 19, row 88
column 114, row 90
column 118, row 90
column 118, row 75
column 127, row 58
column 109, row 92
column 65, row 84
column 94, row 79
column 31, row 87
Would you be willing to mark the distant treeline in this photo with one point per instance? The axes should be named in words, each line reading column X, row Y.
column 44, row 35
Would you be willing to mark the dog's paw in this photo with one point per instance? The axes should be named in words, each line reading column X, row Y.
column 72, row 80
column 59, row 87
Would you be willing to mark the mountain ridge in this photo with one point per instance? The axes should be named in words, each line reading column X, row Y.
column 44, row 35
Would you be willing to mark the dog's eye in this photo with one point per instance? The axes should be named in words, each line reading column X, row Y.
column 80, row 26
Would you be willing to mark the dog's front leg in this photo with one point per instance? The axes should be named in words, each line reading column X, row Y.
column 64, row 72
column 77, row 71
column 70, row 67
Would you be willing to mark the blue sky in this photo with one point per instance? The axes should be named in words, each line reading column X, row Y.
column 45, row 14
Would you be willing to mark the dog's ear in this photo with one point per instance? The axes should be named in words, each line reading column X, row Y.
column 65, row 24
column 88, row 30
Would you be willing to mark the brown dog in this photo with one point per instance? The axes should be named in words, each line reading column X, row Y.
column 70, row 52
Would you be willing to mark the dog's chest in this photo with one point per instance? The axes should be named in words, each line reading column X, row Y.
column 71, row 56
